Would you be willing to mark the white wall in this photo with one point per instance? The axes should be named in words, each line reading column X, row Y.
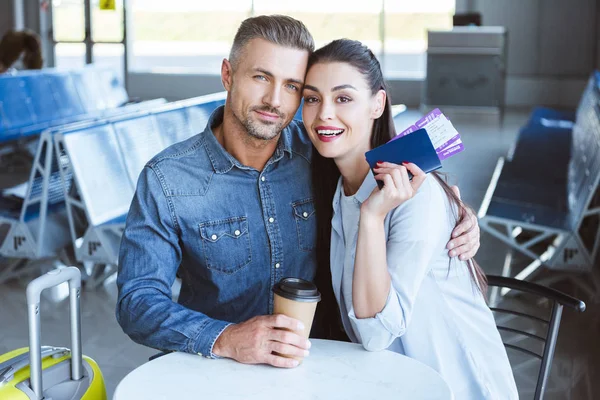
column 552, row 47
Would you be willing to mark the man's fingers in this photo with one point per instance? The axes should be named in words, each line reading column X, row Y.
column 281, row 362
column 466, row 224
column 471, row 238
column 459, row 241
column 284, row 322
column 288, row 350
column 464, row 252
column 291, row 338
column 460, row 250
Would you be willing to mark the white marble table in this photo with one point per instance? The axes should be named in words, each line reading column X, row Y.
column 334, row 370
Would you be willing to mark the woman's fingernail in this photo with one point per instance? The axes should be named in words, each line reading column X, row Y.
column 450, row 245
column 452, row 253
column 308, row 344
column 462, row 258
column 306, row 353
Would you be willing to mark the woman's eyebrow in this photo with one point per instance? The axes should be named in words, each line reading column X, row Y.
column 340, row 87
column 333, row 89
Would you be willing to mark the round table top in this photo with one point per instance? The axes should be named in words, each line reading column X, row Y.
column 333, row 370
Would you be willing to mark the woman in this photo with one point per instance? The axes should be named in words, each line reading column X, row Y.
column 395, row 285
column 15, row 43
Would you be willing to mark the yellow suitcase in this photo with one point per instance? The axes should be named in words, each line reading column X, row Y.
column 45, row 372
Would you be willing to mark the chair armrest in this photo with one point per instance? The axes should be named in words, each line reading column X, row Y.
column 539, row 290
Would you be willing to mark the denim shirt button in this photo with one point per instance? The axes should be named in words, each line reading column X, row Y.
column 237, row 233
column 277, row 265
column 214, row 237
column 305, row 214
column 271, row 220
column 262, row 178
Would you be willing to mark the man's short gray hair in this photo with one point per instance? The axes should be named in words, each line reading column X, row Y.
column 278, row 29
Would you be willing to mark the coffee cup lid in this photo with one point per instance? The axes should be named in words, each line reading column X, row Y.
column 297, row 289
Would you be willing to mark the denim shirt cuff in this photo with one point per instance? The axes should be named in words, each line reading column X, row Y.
column 207, row 337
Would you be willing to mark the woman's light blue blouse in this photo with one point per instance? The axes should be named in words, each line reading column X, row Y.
column 435, row 312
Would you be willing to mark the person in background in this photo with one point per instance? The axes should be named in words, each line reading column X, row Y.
column 17, row 44
column 385, row 251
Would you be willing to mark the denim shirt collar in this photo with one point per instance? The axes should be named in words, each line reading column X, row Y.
column 222, row 161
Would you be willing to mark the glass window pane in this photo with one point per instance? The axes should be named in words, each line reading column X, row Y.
column 69, row 55
column 331, row 19
column 107, row 25
column 111, row 55
column 406, row 25
column 184, row 35
column 68, row 20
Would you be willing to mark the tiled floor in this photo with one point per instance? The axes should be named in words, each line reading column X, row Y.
column 575, row 372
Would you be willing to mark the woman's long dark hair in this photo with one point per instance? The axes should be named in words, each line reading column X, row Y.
column 325, row 175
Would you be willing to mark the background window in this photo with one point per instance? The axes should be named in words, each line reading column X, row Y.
column 190, row 36
column 184, row 35
column 405, row 33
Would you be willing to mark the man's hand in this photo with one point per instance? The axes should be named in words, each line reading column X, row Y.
column 465, row 236
column 254, row 341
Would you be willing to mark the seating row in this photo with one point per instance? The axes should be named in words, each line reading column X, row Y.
column 31, row 101
column 543, row 200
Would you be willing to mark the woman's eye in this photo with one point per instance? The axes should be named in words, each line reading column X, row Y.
column 310, row 100
column 344, row 99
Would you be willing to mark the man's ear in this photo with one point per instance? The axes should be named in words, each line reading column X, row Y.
column 379, row 101
column 226, row 74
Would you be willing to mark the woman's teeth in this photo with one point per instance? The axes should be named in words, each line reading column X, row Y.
column 330, row 132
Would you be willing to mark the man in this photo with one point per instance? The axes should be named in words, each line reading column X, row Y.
column 230, row 210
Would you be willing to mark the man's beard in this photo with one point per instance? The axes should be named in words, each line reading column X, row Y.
column 263, row 130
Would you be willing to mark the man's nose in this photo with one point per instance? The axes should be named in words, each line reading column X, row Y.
column 273, row 97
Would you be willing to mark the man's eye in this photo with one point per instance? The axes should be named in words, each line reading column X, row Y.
column 260, row 77
column 293, row 87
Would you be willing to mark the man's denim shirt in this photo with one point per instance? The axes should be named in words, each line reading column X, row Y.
column 230, row 231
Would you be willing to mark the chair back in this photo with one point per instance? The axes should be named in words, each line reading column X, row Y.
column 551, row 324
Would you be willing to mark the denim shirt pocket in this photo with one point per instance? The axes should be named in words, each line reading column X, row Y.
column 226, row 244
column 306, row 223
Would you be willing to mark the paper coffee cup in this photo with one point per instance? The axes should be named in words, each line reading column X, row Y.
column 297, row 299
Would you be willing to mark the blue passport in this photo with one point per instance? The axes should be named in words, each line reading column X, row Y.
column 415, row 147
